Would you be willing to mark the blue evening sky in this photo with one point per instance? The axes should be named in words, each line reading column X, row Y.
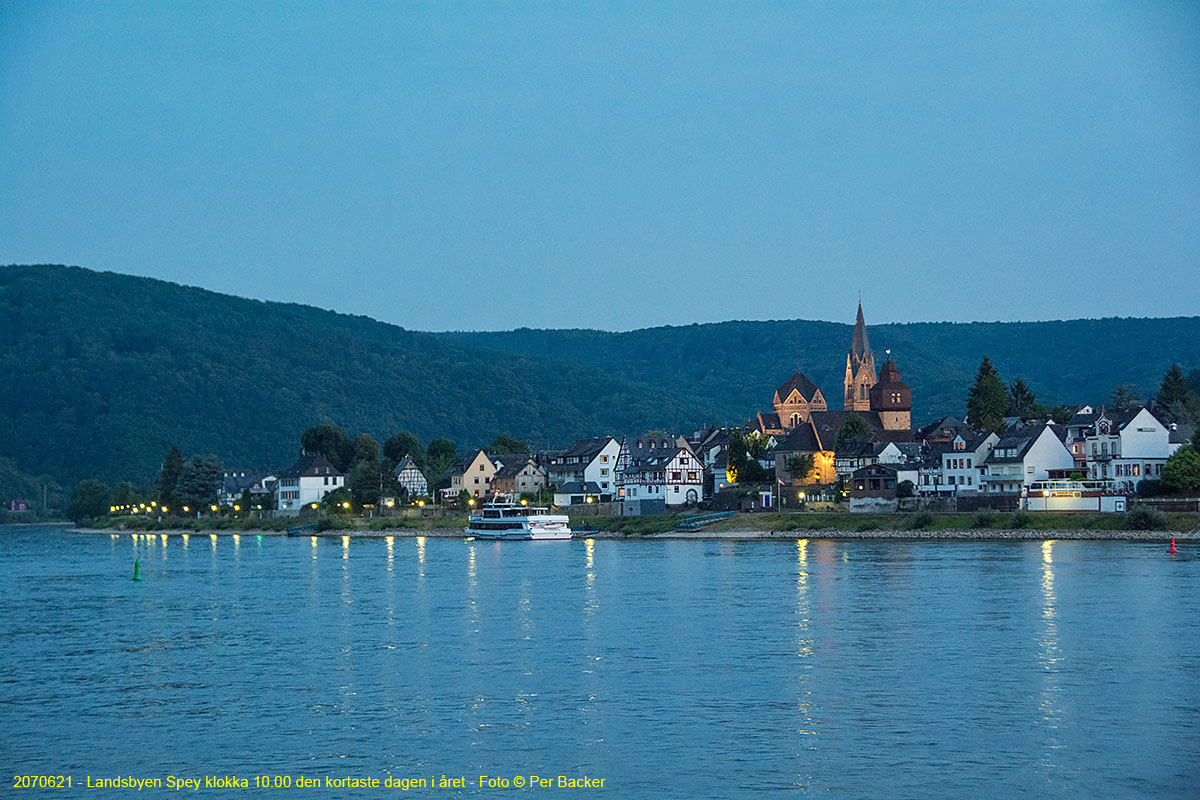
column 614, row 165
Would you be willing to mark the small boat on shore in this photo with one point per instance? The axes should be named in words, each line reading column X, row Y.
column 517, row 523
column 303, row 530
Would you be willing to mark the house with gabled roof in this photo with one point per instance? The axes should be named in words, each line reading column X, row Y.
column 305, row 484
column 1025, row 454
column 657, row 468
column 1127, row 447
column 587, row 461
column 410, row 478
column 518, row 474
column 473, row 474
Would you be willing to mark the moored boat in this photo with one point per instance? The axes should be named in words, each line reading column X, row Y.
column 517, row 523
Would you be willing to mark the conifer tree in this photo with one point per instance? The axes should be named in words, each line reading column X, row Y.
column 1174, row 388
column 988, row 399
column 168, row 479
column 1022, row 398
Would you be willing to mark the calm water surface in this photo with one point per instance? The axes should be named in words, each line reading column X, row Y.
column 671, row 669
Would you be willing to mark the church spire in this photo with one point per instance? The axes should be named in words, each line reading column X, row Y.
column 859, row 346
column 860, row 367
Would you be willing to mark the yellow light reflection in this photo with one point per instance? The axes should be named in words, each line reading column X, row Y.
column 1050, row 655
column 345, row 547
column 804, row 643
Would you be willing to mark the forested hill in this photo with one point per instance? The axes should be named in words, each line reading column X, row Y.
column 100, row 373
column 741, row 363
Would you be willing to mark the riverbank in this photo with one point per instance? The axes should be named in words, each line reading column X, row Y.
column 743, row 534
column 919, row 525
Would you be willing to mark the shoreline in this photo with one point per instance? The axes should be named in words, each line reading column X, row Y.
column 827, row 534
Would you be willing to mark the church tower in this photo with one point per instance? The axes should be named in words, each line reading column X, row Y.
column 860, row 368
column 891, row 398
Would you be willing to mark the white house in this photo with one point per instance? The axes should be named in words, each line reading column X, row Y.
column 1025, row 454
column 956, row 467
column 1127, row 448
column 587, row 461
column 306, row 483
column 658, row 468
column 411, row 478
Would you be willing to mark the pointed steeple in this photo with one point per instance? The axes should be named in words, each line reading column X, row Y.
column 859, row 346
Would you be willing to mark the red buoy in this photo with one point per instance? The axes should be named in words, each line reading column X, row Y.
column 1172, row 550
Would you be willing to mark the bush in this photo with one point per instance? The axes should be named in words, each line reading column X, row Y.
column 1146, row 519
column 1019, row 519
column 867, row 526
column 920, row 521
column 984, row 518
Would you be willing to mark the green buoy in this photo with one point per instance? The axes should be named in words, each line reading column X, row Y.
column 137, row 570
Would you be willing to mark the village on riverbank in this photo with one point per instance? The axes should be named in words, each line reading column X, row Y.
column 1011, row 465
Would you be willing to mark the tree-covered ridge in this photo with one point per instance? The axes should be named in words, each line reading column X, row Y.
column 102, row 373
column 741, row 363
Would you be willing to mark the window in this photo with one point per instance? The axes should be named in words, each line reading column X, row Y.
column 968, row 463
column 604, row 471
column 481, row 467
column 603, row 459
column 676, row 490
column 477, row 481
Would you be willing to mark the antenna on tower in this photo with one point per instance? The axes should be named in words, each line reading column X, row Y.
column 888, row 352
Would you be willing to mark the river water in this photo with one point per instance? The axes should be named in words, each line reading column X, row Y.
column 668, row 668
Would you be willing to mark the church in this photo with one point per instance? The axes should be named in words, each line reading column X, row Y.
column 882, row 399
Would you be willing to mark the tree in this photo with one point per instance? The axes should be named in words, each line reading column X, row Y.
column 1021, row 399
column 168, row 478
column 1182, row 470
column 1062, row 414
column 331, row 442
column 800, row 466
column 906, row 489
column 370, row 480
column 1124, row 398
column 1176, row 401
column 126, row 493
column 1174, row 388
column 744, row 451
column 988, row 399
column 505, row 444
column 440, row 457
column 853, row 425
column 90, row 498
column 404, row 444
column 246, row 502
column 339, row 501
column 365, row 448
column 199, row 482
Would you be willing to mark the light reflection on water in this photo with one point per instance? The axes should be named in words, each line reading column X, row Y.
column 674, row 669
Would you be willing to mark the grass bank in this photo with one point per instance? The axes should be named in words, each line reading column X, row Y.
column 922, row 520
column 206, row 524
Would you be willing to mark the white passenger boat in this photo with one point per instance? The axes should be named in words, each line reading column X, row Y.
column 517, row 522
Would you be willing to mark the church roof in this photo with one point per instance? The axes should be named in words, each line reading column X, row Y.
column 859, row 346
column 800, row 383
